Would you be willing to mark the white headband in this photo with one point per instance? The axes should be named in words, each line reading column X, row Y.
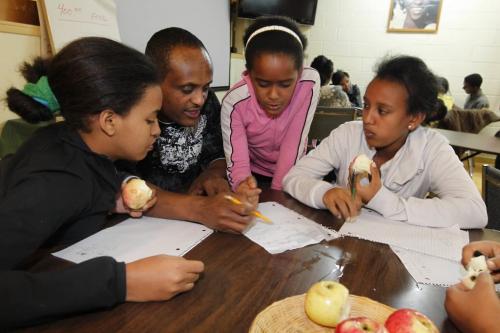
column 274, row 27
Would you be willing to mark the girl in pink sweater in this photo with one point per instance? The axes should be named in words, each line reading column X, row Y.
column 266, row 116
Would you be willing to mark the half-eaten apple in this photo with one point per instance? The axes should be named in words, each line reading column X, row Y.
column 136, row 193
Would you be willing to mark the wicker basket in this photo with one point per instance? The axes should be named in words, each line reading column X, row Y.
column 288, row 315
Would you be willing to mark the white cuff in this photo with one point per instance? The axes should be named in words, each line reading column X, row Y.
column 384, row 202
column 318, row 193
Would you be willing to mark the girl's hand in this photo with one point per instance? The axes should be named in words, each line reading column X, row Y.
column 341, row 204
column 249, row 189
column 368, row 191
column 121, row 208
column 160, row 277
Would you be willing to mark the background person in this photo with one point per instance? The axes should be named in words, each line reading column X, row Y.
column 330, row 95
column 341, row 78
column 476, row 98
column 444, row 92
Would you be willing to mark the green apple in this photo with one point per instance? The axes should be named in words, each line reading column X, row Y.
column 327, row 303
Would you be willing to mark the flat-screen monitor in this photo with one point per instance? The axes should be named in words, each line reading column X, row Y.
column 302, row 11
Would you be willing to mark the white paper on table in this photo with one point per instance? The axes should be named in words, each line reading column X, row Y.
column 135, row 239
column 445, row 243
column 427, row 269
column 289, row 230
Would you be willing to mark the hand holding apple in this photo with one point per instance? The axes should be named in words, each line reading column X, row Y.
column 476, row 266
column 327, row 303
column 409, row 321
column 360, row 325
column 474, row 310
column 136, row 193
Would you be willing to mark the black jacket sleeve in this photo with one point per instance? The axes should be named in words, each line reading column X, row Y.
column 32, row 211
column 212, row 142
column 31, row 298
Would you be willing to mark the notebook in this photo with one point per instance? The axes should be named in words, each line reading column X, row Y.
column 135, row 239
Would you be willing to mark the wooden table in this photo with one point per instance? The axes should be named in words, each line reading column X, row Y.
column 476, row 142
column 241, row 279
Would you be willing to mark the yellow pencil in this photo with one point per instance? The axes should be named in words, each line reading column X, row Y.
column 255, row 213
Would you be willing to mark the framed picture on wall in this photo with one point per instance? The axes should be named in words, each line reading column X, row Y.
column 414, row 16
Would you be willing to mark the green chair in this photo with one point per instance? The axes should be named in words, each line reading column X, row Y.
column 327, row 119
column 15, row 132
column 491, row 195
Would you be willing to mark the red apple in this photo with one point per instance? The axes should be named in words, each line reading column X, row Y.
column 409, row 321
column 360, row 325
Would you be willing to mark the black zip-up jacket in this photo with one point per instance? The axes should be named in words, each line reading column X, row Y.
column 55, row 191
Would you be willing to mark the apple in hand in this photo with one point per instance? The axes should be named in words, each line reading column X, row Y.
column 476, row 266
column 360, row 325
column 409, row 321
column 327, row 303
column 136, row 193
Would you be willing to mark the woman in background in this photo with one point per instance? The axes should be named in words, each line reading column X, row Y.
column 444, row 92
column 341, row 78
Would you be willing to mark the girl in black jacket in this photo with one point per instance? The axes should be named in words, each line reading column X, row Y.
column 61, row 184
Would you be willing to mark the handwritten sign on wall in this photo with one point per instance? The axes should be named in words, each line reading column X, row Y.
column 68, row 20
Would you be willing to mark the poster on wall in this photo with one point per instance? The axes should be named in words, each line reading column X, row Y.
column 414, row 16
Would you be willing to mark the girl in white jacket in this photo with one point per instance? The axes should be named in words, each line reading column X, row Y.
column 409, row 160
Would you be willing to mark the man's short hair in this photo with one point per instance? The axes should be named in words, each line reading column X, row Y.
column 474, row 80
column 161, row 44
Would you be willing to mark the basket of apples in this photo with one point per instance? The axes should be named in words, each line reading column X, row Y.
column 328, row 307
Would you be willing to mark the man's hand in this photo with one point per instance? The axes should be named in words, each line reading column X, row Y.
column 476, row 310
column 211, row 181
column 208, row 184
column 160, row 277
column 221, row 214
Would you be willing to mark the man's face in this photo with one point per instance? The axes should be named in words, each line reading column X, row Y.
column 185, row 86
column 469, row 89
